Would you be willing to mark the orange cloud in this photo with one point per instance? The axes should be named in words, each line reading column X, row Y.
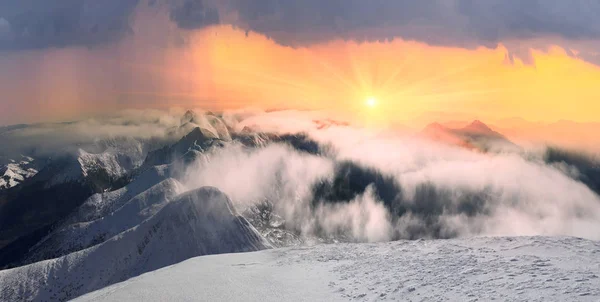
column 222, row 67
column 407, row 78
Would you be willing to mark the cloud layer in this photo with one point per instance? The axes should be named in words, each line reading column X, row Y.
column 192, row 14
column 343, row 182
column 33, row 24
column 440, row 22
column 464, row 23
column 377, row 188
column 94, row 134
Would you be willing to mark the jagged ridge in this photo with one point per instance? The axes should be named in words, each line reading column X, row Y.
column 196, row 223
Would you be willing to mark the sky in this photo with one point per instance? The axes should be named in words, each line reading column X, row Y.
column 463, row 59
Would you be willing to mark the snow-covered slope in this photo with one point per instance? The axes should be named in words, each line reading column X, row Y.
column 195, row 141
column 102, row 204
column 59, row 195
column 477, row 269
column 113, row 212
column 103, row 167
column 81, row 235
column 198, row 222
column 114, row 164
column 37, row 204
column 209, row 124
column 17, row 171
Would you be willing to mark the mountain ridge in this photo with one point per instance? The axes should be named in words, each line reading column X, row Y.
column 474, row 136
column 198, row 222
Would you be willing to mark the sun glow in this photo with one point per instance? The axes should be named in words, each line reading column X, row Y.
column 397, row 80
column 371, row 102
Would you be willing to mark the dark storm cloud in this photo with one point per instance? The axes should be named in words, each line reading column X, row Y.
column 31, row 24
column 192, row 14
column 300, row 22
column 498, row 20
column 27, row 24
column 439, row 22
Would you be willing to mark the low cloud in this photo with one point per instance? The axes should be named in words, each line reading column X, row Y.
column 360, row 185
column 376, row 188
column 92, row 134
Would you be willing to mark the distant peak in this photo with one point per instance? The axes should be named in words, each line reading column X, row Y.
column 195, row 133
column 479, row 128
column 188, row 117
column 478, row 125
column 435, row 126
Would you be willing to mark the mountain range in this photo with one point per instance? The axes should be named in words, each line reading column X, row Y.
column 474, row 136
column 88, row 220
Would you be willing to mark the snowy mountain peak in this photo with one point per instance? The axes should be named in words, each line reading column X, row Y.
column 17, row 171
column 188, row 117
column 475, row 136
column 478, row 127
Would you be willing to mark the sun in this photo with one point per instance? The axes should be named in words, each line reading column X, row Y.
column 371, row 102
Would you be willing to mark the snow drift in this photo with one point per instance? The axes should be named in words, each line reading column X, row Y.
column 468, row 269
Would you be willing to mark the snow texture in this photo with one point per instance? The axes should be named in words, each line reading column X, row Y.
column 484, row 269
column 15, row 172
column 78, row 236
column 102, row 204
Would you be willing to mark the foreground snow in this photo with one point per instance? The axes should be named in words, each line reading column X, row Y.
column 515, row 269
